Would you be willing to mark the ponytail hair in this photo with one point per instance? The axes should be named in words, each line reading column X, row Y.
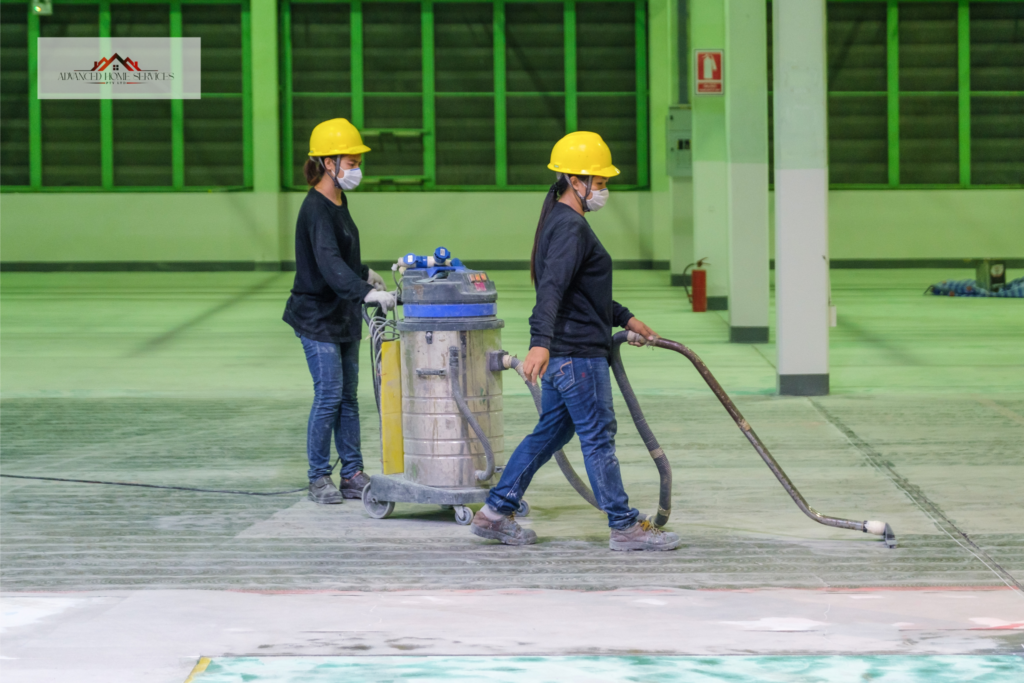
column 313, row 169
column 554, row 192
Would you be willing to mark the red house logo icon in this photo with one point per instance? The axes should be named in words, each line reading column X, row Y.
column 116, row 60
column 114, row 64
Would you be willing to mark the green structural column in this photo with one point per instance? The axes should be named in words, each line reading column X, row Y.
column 247, row 108
column 710, row 155
column 746, row 117
column 569, row 35
column 964, row 88
column 177, row 113
column 35, row 112
column 356, row 61
column 287, row 110
column 892, row 61
column 655, row 93
column 265, row 134
column 644, row 87
column 106, row 111
column 500, row 113
column 271, row 233
column 801, row 197
column 429, row 120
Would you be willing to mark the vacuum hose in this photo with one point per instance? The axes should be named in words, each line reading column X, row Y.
column 871, row 527
column 650, row 441
column 658, row 455
column 460, row 401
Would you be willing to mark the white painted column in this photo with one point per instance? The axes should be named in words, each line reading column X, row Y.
column 801, row 196
column 746, row 119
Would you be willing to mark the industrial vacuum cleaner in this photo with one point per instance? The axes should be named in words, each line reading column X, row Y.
column 437, row 375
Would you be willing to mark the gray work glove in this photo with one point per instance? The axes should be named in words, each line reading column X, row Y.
column 376, row 280
column 386, row 300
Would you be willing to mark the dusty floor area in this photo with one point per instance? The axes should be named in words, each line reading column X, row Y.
column 192, row 380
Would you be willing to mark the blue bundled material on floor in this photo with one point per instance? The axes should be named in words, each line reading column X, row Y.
column 1011, row 290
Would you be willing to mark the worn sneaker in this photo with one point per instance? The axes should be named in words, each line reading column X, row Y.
column 353, row 488
column 643, row 536
column 324, row 492
column 506, row 530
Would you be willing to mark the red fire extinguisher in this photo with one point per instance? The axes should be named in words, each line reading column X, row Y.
column 699, row 281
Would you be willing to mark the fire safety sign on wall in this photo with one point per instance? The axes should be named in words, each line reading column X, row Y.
column 708, row 67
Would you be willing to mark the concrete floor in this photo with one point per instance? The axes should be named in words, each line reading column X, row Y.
column 192, row 380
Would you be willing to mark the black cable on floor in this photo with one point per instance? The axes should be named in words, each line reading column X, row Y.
column 155, row 486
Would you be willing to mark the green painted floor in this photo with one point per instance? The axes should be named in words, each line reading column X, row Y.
column 933, row 669
column 193, row 380
column 215, row 335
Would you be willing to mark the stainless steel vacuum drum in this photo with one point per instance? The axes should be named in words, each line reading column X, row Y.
column 440, row 447
column 449, row 335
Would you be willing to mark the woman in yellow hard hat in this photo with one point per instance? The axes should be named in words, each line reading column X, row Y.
column 331, row 283
column 571, row 333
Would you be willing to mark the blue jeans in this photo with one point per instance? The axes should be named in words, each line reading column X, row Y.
column 335, row 370
column 576, row 398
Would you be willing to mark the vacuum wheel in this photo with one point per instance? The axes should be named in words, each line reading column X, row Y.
column 524, row 508
column 463, row 515
column 378, row 509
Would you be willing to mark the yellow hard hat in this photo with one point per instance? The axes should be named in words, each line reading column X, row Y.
column 334, row 137
column 582, row 153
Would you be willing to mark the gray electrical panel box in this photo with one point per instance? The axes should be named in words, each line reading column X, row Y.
column 678, row 134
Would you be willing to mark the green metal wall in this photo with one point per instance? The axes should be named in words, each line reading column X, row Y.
column 450, row 95
column 465, row 95
column 128, row 145
column 255, row 226
column 468, row 95
column 925, row 94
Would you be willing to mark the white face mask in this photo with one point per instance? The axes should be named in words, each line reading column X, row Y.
column 595, row 201
column 598, row 198
column 351, row 179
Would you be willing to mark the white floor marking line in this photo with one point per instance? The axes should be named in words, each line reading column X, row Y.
column 1005, row 412
column 783, row 624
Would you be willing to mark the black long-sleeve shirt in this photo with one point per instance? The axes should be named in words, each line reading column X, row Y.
column 575, row 312
column 330, row 279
